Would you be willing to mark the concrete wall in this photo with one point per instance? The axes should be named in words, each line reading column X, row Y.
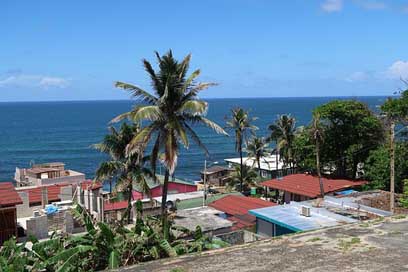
column 24, row 210
column 66, row 193
column 74, row 179
column 268, row 229
column 239, row 237
column 38, row 227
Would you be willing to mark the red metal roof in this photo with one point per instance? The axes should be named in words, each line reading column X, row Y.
column 238, row 207
column 242, row 221
column 113, row 206
column 91, row 185
column 308, row 185
column 235, row 204
column 9, row 195
column 53, row 191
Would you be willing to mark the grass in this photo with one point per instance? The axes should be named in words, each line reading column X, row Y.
column 177, row 269
column 378, row 220
column 346, row 245
column 314, row 239
column 400, row 216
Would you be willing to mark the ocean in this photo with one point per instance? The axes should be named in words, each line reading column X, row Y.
column 64, row 131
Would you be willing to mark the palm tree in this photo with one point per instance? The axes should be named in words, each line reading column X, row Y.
column 245, row 177
column 171, row 111
column 283, row 132
column 317, row 136
column 275, row 135
column 127, row 169
column 257, row 149
column 241, row 124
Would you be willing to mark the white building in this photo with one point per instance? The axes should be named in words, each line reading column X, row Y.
column 47, row 174
column 269, row 167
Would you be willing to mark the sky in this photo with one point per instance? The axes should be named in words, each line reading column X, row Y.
column 76, row 50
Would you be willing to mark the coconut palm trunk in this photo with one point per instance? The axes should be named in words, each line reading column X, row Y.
column 392, row 166
column 241, row 174
column 164, row 217
column 317, row 136
column 130, row 197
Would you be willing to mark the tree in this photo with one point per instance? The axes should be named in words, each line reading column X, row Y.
column 351, row 130
column 377, row 167
column 304, row 149
column 241, row 123
column 127, row 169
column 244, row 178
column 396, row 111
column 283, row 132
column 171, row 111
column 257, row 149
column 275, row 135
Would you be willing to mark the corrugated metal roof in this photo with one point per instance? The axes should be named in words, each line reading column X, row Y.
column 90, row 184
column 8, row 195
column 238, row 207
column 308, row 185
column 235, row 204
column 53, row 192
column 289, row 216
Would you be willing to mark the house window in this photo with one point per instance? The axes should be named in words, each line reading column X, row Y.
column 264, row 174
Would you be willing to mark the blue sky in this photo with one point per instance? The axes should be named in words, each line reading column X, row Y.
column 75, row 50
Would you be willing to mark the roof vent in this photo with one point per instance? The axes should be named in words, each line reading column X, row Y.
column 305, row 211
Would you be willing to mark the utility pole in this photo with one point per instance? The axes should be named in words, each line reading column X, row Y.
column 317, row 137
column 318, row 168
column 392, row 166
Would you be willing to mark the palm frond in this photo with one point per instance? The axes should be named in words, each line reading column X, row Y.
column 196, row 138
column 137, row 92
column 194, row 107
column 121, row 117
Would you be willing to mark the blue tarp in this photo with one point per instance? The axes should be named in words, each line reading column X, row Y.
column 346, row 192
column 51, row 209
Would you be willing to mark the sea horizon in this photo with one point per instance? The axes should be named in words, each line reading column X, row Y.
column 204, row 98
column 44, row 131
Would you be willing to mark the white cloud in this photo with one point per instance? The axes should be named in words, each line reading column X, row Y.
column 371, row 4
column 332, row 5
column 54, row 82
column 39, row 81
column 398, row 69
column 358, row 76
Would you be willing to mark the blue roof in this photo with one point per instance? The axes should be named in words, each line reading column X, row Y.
column 288, row 216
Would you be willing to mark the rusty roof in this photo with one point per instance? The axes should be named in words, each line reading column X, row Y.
column 235, row 204
column 90, row 184
column 53, row 192
column 308, row 185
column 8, row 195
